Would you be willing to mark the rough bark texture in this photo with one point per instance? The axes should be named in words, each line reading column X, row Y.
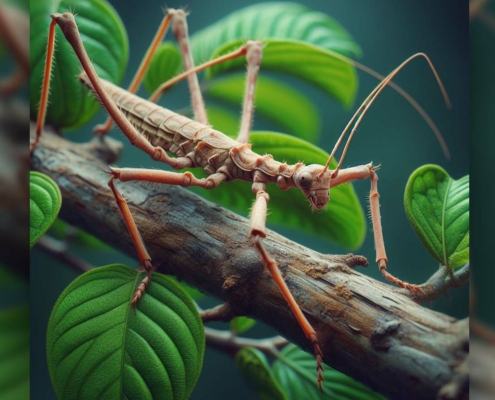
column 367, row 329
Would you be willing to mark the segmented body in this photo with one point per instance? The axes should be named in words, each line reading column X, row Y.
column 206, row 147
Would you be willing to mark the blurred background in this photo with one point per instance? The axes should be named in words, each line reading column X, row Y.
column 482, row 127
column 392, row 134
column 14, row 196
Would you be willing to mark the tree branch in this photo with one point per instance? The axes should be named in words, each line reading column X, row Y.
column 367, row 329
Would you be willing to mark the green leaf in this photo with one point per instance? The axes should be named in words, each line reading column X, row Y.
column 98, row 346
column 315, row 65
column 295, row 372
column 44, row 204
column 105, row 39
column 14, row 354
column 274, row 20
column 343, row 222
column 165, row 64
column 291, row 110
column 437, row 207
column 253, row 367
column 241, row 324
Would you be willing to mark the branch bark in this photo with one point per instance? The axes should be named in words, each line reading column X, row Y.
column 367, row 329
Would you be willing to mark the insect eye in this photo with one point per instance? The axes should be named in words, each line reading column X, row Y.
column 305, row 180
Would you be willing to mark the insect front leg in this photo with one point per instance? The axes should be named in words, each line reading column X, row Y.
column 364, row 172
column 151, row 175
column 257, row 232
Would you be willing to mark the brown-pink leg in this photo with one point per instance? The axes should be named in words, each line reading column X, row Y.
column 179, row 27
column 171, row 178
column 69, row 28
column 363, row 172
column 143, row 67
column 253, row 57
column 257, row 232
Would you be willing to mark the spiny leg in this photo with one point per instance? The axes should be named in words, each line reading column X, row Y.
column 364, row 172
column 257, row 232
column 149, row 175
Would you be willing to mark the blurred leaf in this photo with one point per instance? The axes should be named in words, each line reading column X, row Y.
column 288, row 108
column 274, row 20
column 105, row 39
column 44, row 204
column 224, row 120
column 9, row 280
column 295, row 372
column 437, row 207
column 253, row 367
column 59, row 231
column 14, row 354
column 165, row 64
column 343, row 222
column 98, row 346
column 241, row 324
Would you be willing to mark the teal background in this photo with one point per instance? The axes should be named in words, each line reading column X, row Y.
column 482, row 123
column 392, row 134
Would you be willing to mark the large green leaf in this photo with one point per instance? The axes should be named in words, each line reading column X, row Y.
column 295, row 372
column 274, row 20
column 105, row 40
column 253, row 367
column 437, row 207
column 343, row 222
column 98, row 346
column 313, row 64
column 44, row 204
column 291, row 110
column 14, row 354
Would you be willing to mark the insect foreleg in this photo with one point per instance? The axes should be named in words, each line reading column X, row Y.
column 364, row 172
column 257, row 232
column 151, row 175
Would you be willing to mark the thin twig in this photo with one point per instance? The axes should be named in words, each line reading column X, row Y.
column 59, row 250
column 228, row 342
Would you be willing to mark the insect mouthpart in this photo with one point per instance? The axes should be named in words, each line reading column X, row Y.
column 319, row 199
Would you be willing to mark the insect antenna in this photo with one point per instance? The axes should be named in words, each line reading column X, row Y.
column 362, row 110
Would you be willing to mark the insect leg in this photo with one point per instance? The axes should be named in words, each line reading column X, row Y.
column 143, row 67
column 364, row 172
column 253, row 57
column 257, row 232
column 151, row 175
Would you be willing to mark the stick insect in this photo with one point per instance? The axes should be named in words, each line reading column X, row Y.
column 160, row 132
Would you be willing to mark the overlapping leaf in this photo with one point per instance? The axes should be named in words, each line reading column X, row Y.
column 343, row 222
column 253, row 367
column 105, row 40
column 44, row 204
column 98, row 346
column 295, row 372
column 298, row 41
column 274, row 20
column 437, row 207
